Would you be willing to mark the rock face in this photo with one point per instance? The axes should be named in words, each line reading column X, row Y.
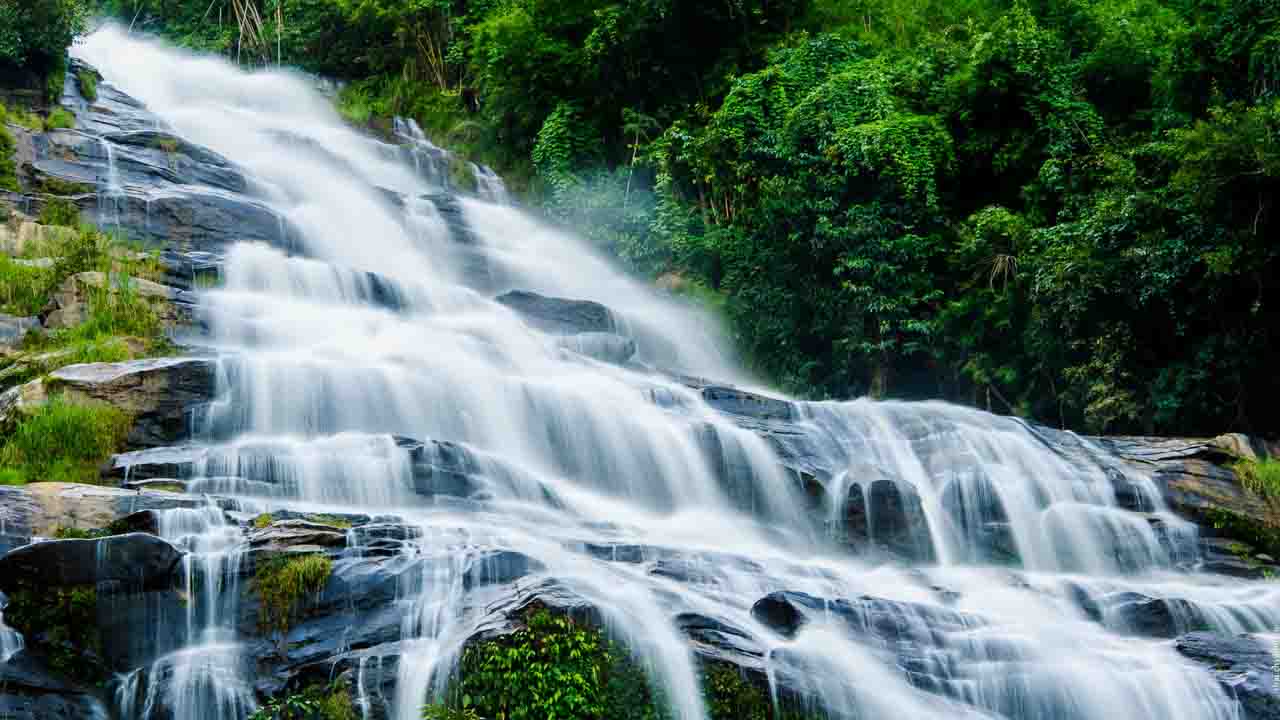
column 41, row 509
column 69, row 305
column 1244, row 665
column 28, row 691
column 136, row 560
column 159, row 394
column 13, row 328
column 560, row 316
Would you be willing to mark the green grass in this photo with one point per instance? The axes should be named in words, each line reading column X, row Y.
column 8, row 169
column 88, row 83
column 283, row 583
column 62, row 442
column 1260, row 477
column 24, row 290
column 60, row 212
column 261, row 521
column 59, row 119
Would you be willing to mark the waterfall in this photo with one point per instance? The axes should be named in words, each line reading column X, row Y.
column 367, row 361
column 10, row 640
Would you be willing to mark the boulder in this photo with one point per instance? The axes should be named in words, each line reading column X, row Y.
column 741, row 402
column 42, row 509
column 29, row 691
column 560, row 316
column 160, row 394
column 897, row 520
column 1243, row 664
column 135, row 560
column 296, row 536
column 1139, row 614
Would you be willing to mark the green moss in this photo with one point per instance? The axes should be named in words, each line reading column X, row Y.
column 88, row 83
column 21, row 117
column 330, row 520
column 54, row 186
column 283, row 585
column 62, row 442
column 60, row 625
column 59, row 119
column 8, row 168
column 262, row 521
column 70, row 533
column 55, row 80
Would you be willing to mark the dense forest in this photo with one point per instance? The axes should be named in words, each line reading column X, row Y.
column 1063, row 209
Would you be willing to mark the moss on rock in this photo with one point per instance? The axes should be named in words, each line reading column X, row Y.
column 61, row 626
column 283, row 584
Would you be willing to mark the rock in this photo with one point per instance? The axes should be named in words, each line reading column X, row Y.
column 69, row 304
column 49, row 507
column 740, row 402
column 20, row 235
column 13, row 328
column 1243, row 664
column 29, row 691
column 159, row 394
column 781, row 612
column 295, row 535
column 560, row 316
column 897, row 520
column 17, row 508
column 160, row 463
column 136, row 560
column 498, row 568
column 605, row 347
column 1138, row 614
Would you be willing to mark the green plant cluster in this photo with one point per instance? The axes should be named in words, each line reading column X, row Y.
column 316, row 702
column 1260, row 477
column 62, row 441
column 61, row 625
column 555, row 667
column 283, row 585
column 35, row 35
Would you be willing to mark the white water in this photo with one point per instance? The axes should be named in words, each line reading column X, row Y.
column 317, row 378
column 10, row 641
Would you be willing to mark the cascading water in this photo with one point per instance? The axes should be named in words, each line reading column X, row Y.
column 10, row 640
column 368, row 328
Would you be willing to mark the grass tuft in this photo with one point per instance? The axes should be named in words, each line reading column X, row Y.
column 1260, row 477
column 88, row 83
column 283, row 583
column 59, row 119
column 62, row 442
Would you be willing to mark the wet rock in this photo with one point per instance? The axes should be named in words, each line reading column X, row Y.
column 499, row 567
column 54, row 506
column 160, row 464
column 440, row 468
column 897, row 520
column 159, row 394
column 1139, row 614
column 868, row 618
column 605, row 347
column 137, row 559
column 29, row 691
column 740, row 402
column 1243, row 664
column 560, row 316
column 17, row 510
column 782, row 612
column 296, row 536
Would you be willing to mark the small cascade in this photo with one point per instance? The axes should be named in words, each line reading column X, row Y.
column 110, row 197
column 10, row 640
column 489, row 186
column 208, row 677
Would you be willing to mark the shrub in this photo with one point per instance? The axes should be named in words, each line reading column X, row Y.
column 61, row 212
column 282, row 584
column 63, row 442
column 23, row 289
column 8, row 168
column 88, row 83
column 1260, row 477
column 317, row 702
column 59, row 119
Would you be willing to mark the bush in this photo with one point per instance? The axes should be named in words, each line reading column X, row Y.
column 317, row 702
column 62, row 442
column 1260, row 477
column 59, row 119
column 88, row 83
column 24, row 289
column 283, row 583
column 61, row 212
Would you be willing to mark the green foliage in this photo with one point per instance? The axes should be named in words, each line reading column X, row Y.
column 552, row 668
column 8, row 166
column 24, row 289
column 35, row 34
column 59, row 119
column 283, row 584
column 70, row 533
column 316, row 702
column 1061, row 209
column 444, row 712
column 60, row 212
column 1260, row 477
column 60, row 625
column 262, row 521
column 87, row 81
column 62, row 441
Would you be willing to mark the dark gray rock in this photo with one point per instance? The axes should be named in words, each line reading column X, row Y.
column 897, row 520
column 1139, row 614
column 137, row 560
column 1243, row 664
column 560, row 316
column 740, row 402
column 28, row 691
column 160, row 394
column 605, row 347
